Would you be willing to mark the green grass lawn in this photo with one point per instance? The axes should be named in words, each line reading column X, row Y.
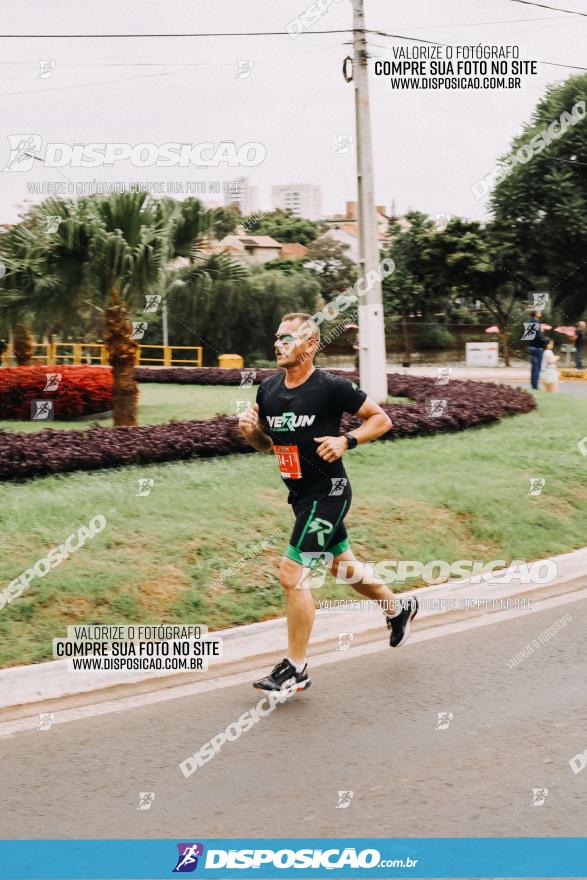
column 162, row 403
column 159, row 403
column 451, row 496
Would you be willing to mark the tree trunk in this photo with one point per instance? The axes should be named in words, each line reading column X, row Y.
column 407, row 348
column 23, row 344
column 506, row 346
column 122, row 353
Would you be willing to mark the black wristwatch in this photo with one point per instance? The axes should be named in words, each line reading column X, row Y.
column 352, row 441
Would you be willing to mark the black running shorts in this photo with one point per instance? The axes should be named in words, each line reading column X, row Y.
column 319, row 528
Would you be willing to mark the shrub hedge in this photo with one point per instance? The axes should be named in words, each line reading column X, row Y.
column 23, row 455
column 80, row 391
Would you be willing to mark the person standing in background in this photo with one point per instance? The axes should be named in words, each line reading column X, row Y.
column 549, row 374
column 537, row 342
column 579, row 341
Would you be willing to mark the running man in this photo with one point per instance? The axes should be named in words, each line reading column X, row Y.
column 297, row 418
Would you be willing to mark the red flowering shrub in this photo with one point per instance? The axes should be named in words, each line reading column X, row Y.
column 75, row 391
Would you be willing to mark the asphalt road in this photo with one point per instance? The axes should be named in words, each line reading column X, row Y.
column 368, row 725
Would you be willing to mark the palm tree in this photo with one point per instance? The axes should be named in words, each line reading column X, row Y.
column 206, row 283
column 22, row 260
column 105, row 253
column 127, row 255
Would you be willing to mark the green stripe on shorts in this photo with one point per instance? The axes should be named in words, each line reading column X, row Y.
column 339, row 548
column 308, row 521
column 300, row 557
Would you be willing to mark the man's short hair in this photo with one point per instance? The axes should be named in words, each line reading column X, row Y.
column 311, row 328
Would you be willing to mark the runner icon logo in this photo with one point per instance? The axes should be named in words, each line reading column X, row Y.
column 152, row 302
column 538, row 797
column 539, row 300
column 42, row 410
column 338, row 485
column 536, row 485
column 344, row 800
column 187, row 860
column 242, row 406
column 436, row 407
column 444, row 374
column 53, row 222
column 316, row 567
column 322, row 528
column 444, row 719
column 531, row 328
column 138, row 329
column 46, row 719
column 52, row 381
column 146, row 799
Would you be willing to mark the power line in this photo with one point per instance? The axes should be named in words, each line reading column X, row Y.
column 163, row 36
column 567, row 161
column 553, row 8
column 435, row 27
column 271, row 33
column 277, row 34
column 568, row 66
column 446, row 45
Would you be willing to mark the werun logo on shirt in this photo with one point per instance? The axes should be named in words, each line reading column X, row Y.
column 288, row 421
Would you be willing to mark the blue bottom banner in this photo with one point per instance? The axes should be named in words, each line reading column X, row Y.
column 290, row 857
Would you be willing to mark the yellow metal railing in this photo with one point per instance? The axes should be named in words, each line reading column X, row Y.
column 95, row 353
column 166, row 357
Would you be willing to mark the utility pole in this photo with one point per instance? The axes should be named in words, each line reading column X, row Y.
column 372, row 358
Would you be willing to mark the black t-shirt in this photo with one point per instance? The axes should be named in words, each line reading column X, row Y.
column 292, row 417
column 539, row 340
column 580, row 338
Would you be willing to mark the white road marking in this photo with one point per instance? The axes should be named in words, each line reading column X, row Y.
column 123, row 704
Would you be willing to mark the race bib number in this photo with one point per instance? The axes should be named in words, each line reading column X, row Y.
column 288, row 461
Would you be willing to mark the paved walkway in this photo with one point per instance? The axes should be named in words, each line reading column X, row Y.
column 516, row 375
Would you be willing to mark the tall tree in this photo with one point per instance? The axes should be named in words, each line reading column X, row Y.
column 334, row 269
column 238, row 315
column 544, row 196
column 418, row 285
column 103, row 256
column 112, row 249
column 284, row 226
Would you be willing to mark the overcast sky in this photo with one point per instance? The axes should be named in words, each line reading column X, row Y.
column 429, row 147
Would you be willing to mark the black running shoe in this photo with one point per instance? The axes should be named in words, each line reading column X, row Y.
column 400, row 625
column 283, row 677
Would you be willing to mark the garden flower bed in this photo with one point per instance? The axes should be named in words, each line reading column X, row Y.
column 74, row 391
column 468, row 404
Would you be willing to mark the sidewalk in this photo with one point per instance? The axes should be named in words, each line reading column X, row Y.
column 263, row 643
column 479, row 374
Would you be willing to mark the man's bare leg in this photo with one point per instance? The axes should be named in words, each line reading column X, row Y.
column 369, row 584
column 301, row 608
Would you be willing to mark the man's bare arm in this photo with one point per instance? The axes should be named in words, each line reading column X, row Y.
column 375, row 423
column 250, row 427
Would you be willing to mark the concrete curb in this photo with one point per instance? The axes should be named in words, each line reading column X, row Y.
column 25, row 685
